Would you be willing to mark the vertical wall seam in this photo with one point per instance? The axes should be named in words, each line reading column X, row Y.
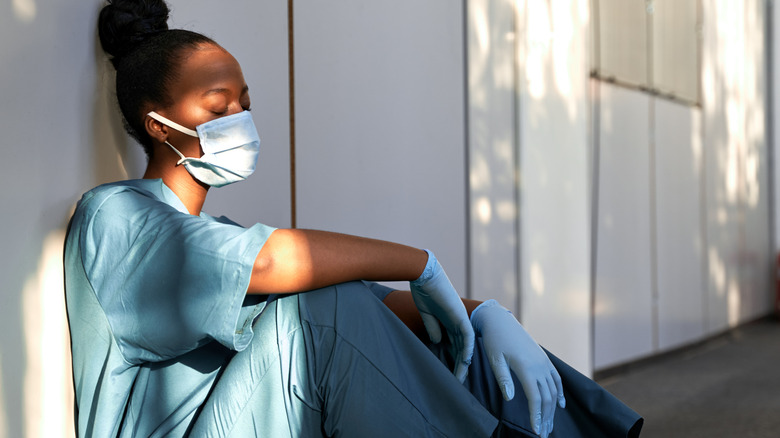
column 291, row 103
column 771, row 153
column 466, row 150
column 651, row 128
column 594, row 221
column 516, row 127
column 653, row 225
column 703, row 234
column 595, row 124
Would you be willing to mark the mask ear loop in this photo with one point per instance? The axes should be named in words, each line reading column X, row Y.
column 176, row 126
column 177, row 152
column 172, row 124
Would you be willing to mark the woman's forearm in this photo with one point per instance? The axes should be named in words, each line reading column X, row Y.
column 295, row 260
column 402, row 304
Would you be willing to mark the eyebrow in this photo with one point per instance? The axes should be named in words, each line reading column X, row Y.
column 224, row 90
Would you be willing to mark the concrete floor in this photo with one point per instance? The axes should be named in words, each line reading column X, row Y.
column 726, row 387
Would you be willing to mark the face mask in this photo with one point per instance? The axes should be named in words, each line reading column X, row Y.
column 230, row 147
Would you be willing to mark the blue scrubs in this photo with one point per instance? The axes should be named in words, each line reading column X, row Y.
column 166, row 343
column 157, row 309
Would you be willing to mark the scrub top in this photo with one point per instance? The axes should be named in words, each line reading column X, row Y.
column 146, row 284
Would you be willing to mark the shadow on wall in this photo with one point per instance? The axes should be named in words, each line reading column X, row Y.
column 737, row 210
column 36, row 390
column 115, row 155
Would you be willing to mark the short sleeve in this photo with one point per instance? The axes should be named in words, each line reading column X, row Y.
column 379, row 290
column 168, row 281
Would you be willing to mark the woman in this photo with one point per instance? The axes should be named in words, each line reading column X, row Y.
column 185, row 324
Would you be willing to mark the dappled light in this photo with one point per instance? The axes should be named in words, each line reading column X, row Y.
column 539, row 35
column 536, row 276
column 552, row 146
column 735, row 140
column 707, row 227
column 48, row 395
column 484, row 210
column 24, row 10
column 563, row 55
column 717, row 271
column 492, row 145
column 734, row 303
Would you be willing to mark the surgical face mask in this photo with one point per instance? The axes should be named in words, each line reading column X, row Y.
column 230, row 147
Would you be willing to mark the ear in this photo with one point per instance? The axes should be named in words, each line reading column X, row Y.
column 155, row 129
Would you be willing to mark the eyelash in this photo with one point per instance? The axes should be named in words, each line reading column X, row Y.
column 222, row 113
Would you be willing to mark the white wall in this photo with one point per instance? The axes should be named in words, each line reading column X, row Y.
column 475, row 135
column 529, row 167
column 623, row 310
column 737, row 219
column 380, row 134
column 555, row 163
column 683, row 238
column 680, row 285
column 492, row 153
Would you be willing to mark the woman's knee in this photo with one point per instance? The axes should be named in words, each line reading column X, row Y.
column 324, row 306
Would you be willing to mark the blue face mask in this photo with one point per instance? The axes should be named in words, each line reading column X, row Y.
column 230, row 147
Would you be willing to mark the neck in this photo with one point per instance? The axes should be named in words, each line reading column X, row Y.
column 190, row 191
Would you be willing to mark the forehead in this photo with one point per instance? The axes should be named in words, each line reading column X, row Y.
column 208, row 67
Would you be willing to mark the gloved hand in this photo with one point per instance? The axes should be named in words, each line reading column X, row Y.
column 437, row 301
column 508, row 345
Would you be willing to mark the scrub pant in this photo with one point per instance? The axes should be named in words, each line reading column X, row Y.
column 337, row 362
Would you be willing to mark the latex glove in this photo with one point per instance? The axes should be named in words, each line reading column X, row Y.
column 438, row 302
column 509, row 346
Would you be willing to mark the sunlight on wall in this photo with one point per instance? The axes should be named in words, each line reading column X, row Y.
column 480, row 20
column 552, row 57
column 733, row 86
column 484, row 211
column 25, row 10
column 48, row 397
column 539, row 34
column 697, row 148
column 717, row 271
column 536, row 275
column 734, row 303
column 492, row 87
column 562, row 53
column 551, row 34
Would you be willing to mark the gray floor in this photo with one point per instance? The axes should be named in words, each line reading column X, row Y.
column 727, row 387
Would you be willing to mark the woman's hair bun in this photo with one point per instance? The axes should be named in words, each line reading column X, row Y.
column 124, row 24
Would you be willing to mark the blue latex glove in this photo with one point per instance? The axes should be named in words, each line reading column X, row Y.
column 438, row 302
column 509, row 346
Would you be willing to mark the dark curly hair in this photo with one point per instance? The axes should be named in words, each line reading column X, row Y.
column 146, row 56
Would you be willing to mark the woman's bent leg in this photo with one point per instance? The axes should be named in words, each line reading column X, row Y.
column 590, row 410
column 337, row 362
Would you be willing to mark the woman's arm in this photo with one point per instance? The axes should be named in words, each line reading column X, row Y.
column 402, row 304
column 295, row 260
column 301, row 260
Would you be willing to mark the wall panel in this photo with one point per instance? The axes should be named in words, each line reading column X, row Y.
column 380, row 133
column 623, row 295
column 493, row 151
column 554, row 162
column 256, row 34
column 679, row 255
